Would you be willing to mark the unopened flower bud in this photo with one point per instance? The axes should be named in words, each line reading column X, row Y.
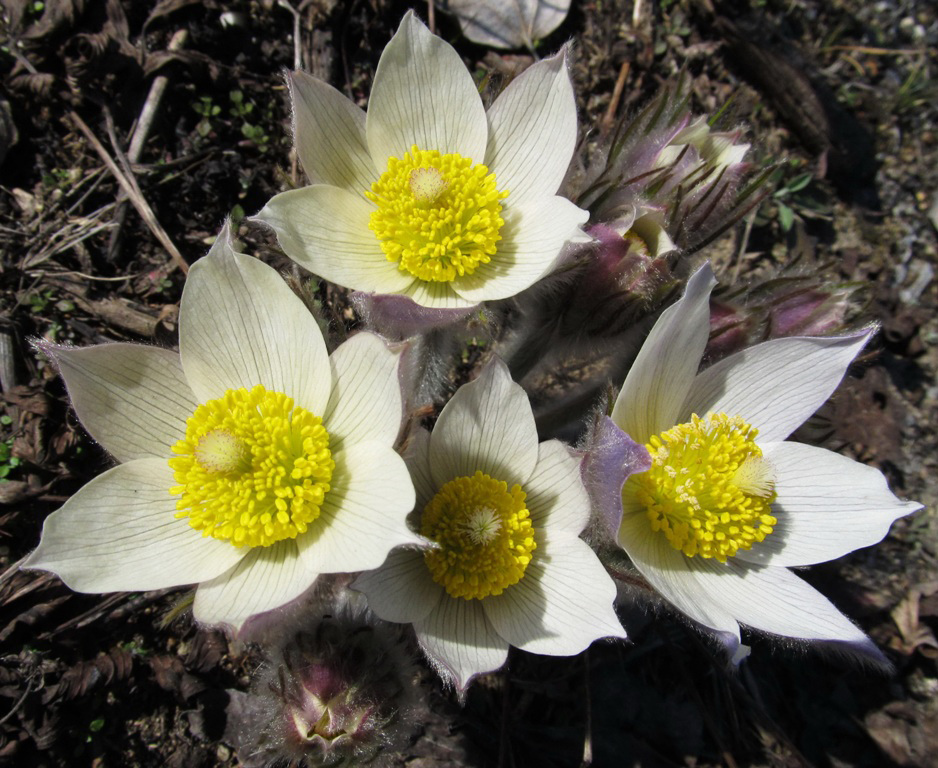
column 624, row 278
column 802, row 305
column 341, row 692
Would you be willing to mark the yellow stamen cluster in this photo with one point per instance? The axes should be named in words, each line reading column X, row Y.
column 709, row 491
column 438, row 215
column 485, row 536
column 252, row 468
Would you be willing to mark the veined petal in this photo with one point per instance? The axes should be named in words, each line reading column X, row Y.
column 266, row 578
column 329, row 132
column 131, row 398
column 366, row 399
column 776, row 385
column 532, row 131
column 562, row 604
column 120, row 533
column 533, row 235
column 460, row 641
column 775, row 600
column 612, row 457
column 417, row 459
column 487, row 426
column 424, row 95
column 696, row 593
column 364, row 515
column 240, row 326
column 402, row 589
column 436, row 295
column 827, row 505
column 325, row 229
column 662, row 374
column 556, row 497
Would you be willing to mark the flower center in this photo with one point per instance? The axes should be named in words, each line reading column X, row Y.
column 709, row 491
column 485, row 536
column 252, row 468
column 438, row 216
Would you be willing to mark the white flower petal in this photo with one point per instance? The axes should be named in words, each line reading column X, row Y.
column 460, row 641
column 133, row 399
column 775, row 600
column 402, row 589
column 329, row 132
column 364, row 515
column 673, row 576
column 325, row 229
column 532, row 131
column 417, row 459
column 436, row 295
column 366, row 401
column 662, row 374
column 533, row 235
column 240, row 326
column 556, row 496
column 776, row 385
column 266, row 578
column 563, row 602
column 827, row 505
column 120, row 533
column 487, row 426
column 423, row 95
column 718, row 595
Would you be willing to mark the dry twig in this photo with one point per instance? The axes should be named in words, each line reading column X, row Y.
column 129, row 185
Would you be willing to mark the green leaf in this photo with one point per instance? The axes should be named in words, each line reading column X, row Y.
column 799, row 182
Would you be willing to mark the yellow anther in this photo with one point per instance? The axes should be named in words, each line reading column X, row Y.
column 709, row 489
column 484, row 534
column 252, row 468
column 438, row 216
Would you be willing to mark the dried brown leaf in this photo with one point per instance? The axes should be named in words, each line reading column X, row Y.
column 908, row 736
column 87, row 675
column 206, row 651
column 33, row 615
column 507, row 23
column 55, row 15
column 171, row 675
column 166, row 7
column 39, row 83
column 28, row 399
column 192, row 60
column 913, row 635
column 15, row 491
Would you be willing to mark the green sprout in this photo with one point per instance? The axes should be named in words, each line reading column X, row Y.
column 8, row 462
column 208, row 110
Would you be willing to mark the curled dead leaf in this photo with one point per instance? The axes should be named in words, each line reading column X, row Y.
column 506, row 23
column 912, row 634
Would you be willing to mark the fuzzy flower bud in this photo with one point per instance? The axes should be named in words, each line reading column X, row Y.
column 668, row 160
column 789, row 305
column 625, row 277
column 341, row 692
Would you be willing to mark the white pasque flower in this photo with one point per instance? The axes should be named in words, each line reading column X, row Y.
column 728, row 504
column 428, row 195
column 508, row 566
column 252, row 435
